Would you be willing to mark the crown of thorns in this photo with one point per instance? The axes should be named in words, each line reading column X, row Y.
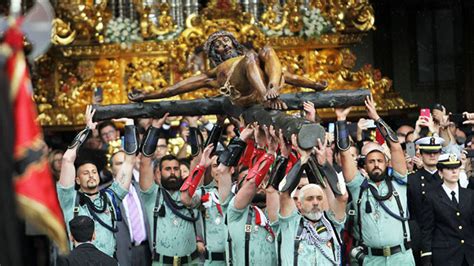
column 213, row 37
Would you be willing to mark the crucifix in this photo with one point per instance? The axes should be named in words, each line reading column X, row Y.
column 249, row 84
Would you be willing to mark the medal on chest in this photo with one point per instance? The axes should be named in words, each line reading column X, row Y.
column 218, row 220
column 269, row 238
column 175, row 222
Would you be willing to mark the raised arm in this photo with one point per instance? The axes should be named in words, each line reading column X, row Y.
column 148, row 148
column 399, row 163
column 229, row 159
column 349, row 166
column 195, row 176
column 68, row 171
column 287, row 204
column 272, row 198
column 255, row 177
column 124, row 175
column 336, row 204
column 186, row 85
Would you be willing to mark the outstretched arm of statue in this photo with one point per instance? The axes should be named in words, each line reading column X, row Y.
column 299, row 81
column 272, row 70
column 186, row 85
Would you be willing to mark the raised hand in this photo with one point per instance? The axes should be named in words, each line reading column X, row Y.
column 127, row 121
column 469, row 117
column 310, row 111
column 305, row 154
column 136, row 95
column 247, row 133
column 158, row 123
column 371, row 110
column 272, row 139
column 285, row 148
column 206, row 158
column 341, row 113
column 259, row 135
column 192, row 120
column 320, row 150
column 88, row 116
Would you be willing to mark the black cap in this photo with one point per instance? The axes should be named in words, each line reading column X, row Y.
column 82, row 228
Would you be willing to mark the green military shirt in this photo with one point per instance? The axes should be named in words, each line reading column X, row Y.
column 105, row 239
column 379, row 229
column 261, row 251
column 216, row 230
column 308, row 254
column 174, row 235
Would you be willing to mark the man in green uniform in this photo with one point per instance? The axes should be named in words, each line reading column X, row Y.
column 252, row 231
column 381, row 200
column 101, row 206
column 172, row 225
column 216, row 195
column 314, row 231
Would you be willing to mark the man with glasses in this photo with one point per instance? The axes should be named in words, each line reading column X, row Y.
column 108, row 132
column 420, row 185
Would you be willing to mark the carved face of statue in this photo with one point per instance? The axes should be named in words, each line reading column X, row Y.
column 224, row 47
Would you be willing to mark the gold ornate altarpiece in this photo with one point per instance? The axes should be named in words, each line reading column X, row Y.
column 167, row 49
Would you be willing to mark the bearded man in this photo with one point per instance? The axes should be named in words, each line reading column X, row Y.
column 381, row 211
column 172, row 224
column 245, row 76
column 310, row 228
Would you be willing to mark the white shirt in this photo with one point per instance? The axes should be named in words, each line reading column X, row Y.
column 431, row 172
column 134, row 194
column 448, row 191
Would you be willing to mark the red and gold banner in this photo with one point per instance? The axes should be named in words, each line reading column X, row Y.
column 33, row 182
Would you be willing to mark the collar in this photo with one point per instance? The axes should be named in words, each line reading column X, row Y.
column 448, row 191
column 431, row 172
column 91, row 194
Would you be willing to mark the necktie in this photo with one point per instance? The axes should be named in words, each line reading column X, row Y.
column 453, row 198
column 134, row 216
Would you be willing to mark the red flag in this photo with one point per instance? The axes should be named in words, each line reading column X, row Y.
column 33, row 182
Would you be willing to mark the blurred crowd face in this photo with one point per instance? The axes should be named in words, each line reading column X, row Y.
column 116, row 162
column 450, row 175
column 430, row 159
column 171, row 175
column 354, row 154
column 437, row 115
column 161, row 148
column 184, row 170
column 87, row 177
column 310, row 205
column 214, row 166
column 108, row 134
column 403, row 131
column 56, row 162
column 229, row 131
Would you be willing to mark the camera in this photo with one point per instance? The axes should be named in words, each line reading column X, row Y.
column 358, row 254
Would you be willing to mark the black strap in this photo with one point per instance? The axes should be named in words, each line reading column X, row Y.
column 380, row 199
column 298, row 241
column 229, row 243
column 248, row 230
column 170, row 203
column 155, row 220
column 175, row 208
column 203, row 215
column 82, row 199
column 279, row 249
